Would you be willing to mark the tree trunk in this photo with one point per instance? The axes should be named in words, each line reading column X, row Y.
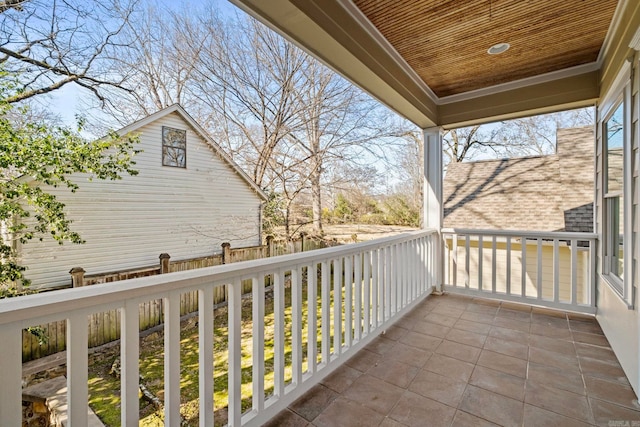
column 316, row 199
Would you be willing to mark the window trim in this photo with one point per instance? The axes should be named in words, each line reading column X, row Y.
column 166, row 145
column 619, row 93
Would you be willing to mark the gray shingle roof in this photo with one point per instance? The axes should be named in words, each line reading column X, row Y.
column 544, row 193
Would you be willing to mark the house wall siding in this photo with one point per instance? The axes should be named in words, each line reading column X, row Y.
column 620, row 323
column 128, row 223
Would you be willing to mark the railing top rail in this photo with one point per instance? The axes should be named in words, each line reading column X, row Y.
column 53, row 303
column 564, row 235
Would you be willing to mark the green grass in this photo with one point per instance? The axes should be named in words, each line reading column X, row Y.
column 104, row 388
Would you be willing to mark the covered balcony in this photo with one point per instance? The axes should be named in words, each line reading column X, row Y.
column 436, row 327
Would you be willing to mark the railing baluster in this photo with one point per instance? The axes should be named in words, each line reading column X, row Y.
column 508, row 272
column 172, row 359
column 257, row 332
column 279, row 333
column 480, row 261
column 493, row 265
column 296, row 325
column 337, row 305
column 77, row 374
column 11, row 375
column 205, row 355
column 556, row 270
column 574, row 271
column 348, row 303
column 389, row 300
column 358, row 283
column 370, row 294
column 129, row 354
column 326, row 313
column 592, row 274
column 523, row 279
column 234, row 321
column 539, row 272
column 467, row 255
column 454, row 267
column 312, row 325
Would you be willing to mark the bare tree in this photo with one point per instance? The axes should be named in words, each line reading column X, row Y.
column 45, row 45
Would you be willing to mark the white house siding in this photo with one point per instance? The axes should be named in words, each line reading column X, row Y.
column 128, row 223
column 620, row 322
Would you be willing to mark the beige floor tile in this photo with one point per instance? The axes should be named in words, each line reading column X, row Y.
column 287, row 418
column 472, row 316
column 421, row 341
column 341, row 379
column 451, row 311
column 374, row 393
column 514, row 306
column 463, row 352
column 394, row 372
column 612, row 392
column 538, row 417
column 611, row 371
column 550, row 321
column 590, row 327
column 550, row 358
column 394, row 333
column 508, row 348
column 500, row 362
column 524, row 316
column 313, row 402
column 441, row 319
column 509, row 323
column 467, row 325
column 410, row 355
column 346, row 413
column 509, row 335
column 466, row 337
column 607, row 414
column 492, row 407
column 586, row 338
column 443, row 389
column 432, row 329
column 559, row 401
column 596, row 352
column 557, row 346
column 416, row 410
column 449, row 367
column 483, row 309
column 363, row 360
column 556, row 377
column 380, row 345
column 551, row 332
column 388, row 422
column 462, row 419
column 498, row 382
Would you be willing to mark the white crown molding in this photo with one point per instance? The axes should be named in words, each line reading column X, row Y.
column 517, row 84
column 635, row 40
column 615, row 23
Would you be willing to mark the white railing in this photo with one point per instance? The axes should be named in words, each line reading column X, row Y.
column 552, row 269
column 351, row 294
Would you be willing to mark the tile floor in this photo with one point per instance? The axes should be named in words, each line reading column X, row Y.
column 457, row 361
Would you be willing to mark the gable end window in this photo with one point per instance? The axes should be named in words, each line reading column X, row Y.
column 174, row 147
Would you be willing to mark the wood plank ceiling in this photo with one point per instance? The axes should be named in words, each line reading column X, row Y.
column 446, row 42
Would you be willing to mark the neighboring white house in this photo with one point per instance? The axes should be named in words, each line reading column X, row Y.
column 188, row 198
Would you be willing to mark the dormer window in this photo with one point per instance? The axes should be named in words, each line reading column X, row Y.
column 174, row 147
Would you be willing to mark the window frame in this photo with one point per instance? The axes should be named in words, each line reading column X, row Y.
column 165, row 145
column 620, row 94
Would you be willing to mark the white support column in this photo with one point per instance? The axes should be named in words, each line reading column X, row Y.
column 432, row 195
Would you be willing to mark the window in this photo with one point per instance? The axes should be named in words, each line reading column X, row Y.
column 174, row 147
column 614, row 190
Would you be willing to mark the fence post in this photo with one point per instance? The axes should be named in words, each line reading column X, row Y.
column 226, row 253
column 164, row 262
column 302, row 235
column 77, row 276
column 269, row 246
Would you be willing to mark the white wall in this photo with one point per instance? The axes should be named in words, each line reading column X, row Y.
column 619, row 321
column 126, row 224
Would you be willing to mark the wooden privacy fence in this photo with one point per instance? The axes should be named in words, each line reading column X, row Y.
column 104, row 327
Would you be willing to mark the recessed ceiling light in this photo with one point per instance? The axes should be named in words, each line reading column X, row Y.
column 498, row 48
